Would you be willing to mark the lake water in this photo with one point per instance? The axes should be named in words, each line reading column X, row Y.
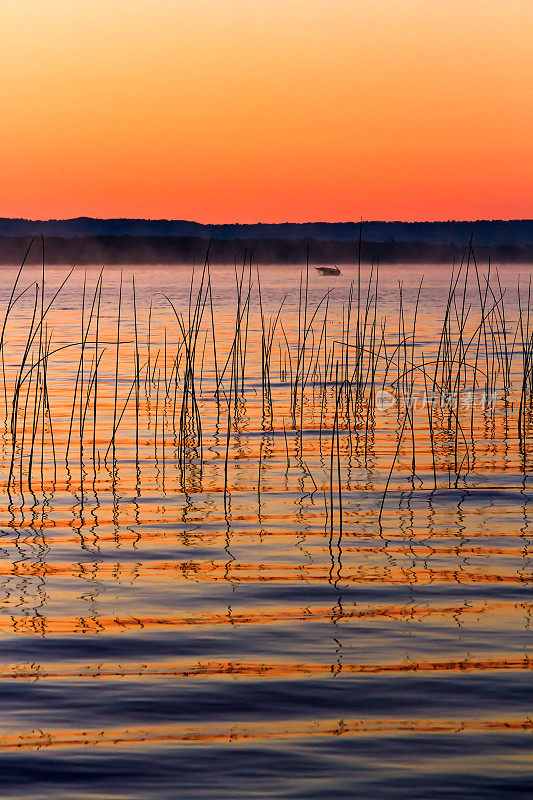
column 227, row 573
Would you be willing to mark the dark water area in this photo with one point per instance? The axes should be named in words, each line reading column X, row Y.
column 256, row 618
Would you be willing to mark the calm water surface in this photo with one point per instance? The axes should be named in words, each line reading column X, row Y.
column 228, row 624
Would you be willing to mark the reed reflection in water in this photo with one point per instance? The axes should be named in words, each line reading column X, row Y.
column 265, row 533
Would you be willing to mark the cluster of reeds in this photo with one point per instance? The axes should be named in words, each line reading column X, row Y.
column 179, row 384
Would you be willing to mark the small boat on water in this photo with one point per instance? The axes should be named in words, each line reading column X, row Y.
column 328, row 270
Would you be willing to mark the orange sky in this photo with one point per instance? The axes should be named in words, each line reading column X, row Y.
column 247, row 110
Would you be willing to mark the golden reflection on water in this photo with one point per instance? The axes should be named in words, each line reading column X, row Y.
column 54, row 672
column 100, row 624
column 124, row 737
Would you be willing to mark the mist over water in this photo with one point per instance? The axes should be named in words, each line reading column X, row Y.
column 242, row 554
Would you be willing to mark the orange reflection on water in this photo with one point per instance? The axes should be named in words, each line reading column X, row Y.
column 159, row 735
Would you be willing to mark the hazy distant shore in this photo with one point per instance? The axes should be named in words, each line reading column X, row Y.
column 186, row 249
column 490, row 232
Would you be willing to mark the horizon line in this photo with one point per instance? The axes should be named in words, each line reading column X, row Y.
column 280, row 222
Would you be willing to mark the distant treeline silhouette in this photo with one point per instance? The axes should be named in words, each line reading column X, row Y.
column 186, row 249
column 518, row 233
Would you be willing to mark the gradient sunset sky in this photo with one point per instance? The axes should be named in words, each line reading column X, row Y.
column 266, row 110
